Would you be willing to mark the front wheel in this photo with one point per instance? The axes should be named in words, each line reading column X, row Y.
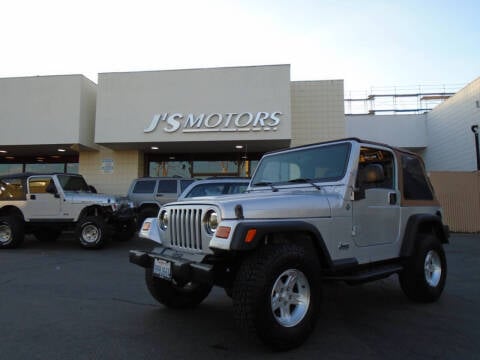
column 92, row 232
column 277, row 294
column 174, row 296
column 425, row 273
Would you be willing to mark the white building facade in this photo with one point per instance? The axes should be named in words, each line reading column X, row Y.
column 203, row 122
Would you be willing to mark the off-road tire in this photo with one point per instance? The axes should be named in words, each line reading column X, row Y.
column 92, row 232
column 425, row 273
column 273, row 283
column 176, row 297
column 11, row 232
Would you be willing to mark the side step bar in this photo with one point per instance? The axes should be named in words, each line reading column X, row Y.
column 365, row 275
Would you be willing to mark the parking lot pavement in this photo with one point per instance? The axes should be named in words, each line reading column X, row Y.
column 58, row 301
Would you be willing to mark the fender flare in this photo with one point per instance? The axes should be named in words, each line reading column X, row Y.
column 265, row 227
column 418, row 223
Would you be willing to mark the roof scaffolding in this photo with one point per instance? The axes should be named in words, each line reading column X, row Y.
column 392, row 100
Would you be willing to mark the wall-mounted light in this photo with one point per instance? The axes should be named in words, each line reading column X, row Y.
column 239, row 147
column 154, row 148
column 475, row 130
column 61, row 150
column 3, row 151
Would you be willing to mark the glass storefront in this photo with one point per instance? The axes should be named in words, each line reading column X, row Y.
column 199, row 168
column 68, row 165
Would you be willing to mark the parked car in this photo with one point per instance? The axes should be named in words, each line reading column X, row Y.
column 346, row 210
column 149, row 193
column 46, row 204
column 215, row 187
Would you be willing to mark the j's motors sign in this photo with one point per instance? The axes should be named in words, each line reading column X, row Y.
column 215, row 122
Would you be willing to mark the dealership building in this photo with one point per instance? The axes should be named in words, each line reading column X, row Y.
column 205, row 122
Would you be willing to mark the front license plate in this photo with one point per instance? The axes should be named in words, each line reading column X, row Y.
column 162, row 269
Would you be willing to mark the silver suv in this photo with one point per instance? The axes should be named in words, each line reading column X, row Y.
column 149, row 193
column 46, row 204
column 347, row 210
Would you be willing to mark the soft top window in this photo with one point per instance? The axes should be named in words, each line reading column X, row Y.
column 12, row 189
column 415, row 182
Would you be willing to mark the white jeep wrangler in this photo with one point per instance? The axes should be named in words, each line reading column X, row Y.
column 346, row 210
column 46, row 204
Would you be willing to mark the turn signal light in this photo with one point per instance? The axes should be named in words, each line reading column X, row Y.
column 250, row 235
column 223, row 232
column 146, row 226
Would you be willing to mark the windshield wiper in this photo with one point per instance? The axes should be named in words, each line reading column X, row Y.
column 305, row 180
column 266, row 183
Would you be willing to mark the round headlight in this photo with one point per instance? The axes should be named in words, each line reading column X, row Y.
column 211, row 221
column 163, row 217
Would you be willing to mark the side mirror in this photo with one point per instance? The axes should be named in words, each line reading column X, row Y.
column 51, row 189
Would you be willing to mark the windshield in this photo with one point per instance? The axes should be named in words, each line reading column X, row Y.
column 323, row 163
column 73, row 183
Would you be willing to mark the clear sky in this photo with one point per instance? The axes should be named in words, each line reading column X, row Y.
column 367, row 43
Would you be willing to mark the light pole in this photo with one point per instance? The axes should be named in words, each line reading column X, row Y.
column 474, row 129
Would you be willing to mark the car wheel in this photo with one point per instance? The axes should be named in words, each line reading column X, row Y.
column 425, row 273
column 11, row 232
column 92, row 232
column 173, row 296
column 277, row 294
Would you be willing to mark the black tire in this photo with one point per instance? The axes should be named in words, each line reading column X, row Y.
column 425, row 273
column 146, row 213
column 47, row 235
column 125, row 231
column 173, row 296
column 11, row 232
column 92, row 232
column 260, row 295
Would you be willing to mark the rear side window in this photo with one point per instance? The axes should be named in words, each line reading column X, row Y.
column 167, row 186
column 144, row 187
column 415, row 182
column 12, row 189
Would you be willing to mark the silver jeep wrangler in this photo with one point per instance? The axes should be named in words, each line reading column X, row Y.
column 346, row 210
column 46, row 204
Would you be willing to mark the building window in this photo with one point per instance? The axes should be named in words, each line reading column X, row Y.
column 53, row 164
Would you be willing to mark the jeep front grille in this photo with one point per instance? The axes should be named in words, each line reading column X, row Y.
column 185, row 226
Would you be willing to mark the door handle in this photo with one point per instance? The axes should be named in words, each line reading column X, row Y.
column 392, row 198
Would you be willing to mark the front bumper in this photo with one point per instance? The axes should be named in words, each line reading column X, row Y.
column 124, row 214
column 185, row 267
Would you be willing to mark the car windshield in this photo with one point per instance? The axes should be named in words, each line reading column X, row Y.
column 215, row 189
column 321, row 164
column 73, row 183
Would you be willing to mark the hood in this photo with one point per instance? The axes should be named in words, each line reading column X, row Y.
column 91, row 198
column 271, row 205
